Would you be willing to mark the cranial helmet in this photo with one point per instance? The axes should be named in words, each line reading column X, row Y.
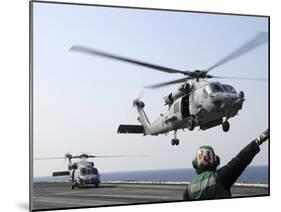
column 205, row 159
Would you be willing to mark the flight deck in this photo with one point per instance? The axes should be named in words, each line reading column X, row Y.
column 55, row 195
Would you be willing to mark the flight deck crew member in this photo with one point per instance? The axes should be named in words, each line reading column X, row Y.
column 211, row 183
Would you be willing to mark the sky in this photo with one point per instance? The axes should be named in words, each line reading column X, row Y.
column 80, row 100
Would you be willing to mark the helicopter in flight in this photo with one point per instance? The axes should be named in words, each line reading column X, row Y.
column 82, row 173
column 197, row 102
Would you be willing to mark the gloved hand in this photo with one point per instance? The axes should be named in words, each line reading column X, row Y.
column 262, row 137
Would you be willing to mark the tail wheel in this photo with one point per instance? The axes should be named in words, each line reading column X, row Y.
column 225, row 126
column 190, row 123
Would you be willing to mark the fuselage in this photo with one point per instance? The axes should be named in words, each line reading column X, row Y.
column 85, row 174
column 208, row 102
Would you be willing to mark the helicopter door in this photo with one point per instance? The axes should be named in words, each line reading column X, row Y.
column 185, row 107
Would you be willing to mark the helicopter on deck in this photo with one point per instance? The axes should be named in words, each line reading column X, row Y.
column 82, row 173
column 196, row 102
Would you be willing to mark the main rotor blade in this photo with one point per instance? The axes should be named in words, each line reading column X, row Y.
column 49, row 158
column 240, row 78
column 125, row 59
column 118, row 156
column 104, row 156
column 256, row 41
column 168, row 83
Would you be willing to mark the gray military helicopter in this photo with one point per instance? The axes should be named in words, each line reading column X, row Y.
column 82, row 173
column 196, row 102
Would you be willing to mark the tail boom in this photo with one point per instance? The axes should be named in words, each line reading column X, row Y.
column 142, row 118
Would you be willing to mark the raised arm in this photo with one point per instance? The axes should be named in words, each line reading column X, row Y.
column 229, row 173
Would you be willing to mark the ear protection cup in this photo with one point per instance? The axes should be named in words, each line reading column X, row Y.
column 194, row 163
column 217, row 161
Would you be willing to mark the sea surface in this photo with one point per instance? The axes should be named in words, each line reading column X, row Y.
column 252, row 174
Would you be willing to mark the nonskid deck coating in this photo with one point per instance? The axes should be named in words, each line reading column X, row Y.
column 52, row 195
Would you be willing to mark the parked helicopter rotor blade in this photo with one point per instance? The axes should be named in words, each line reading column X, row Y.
column 259, row 39
column 89, row 156
column 49, row 158
column 238, row 78
column 116, row 156
column 85, row 155
column 168, row 83
column 125, row 59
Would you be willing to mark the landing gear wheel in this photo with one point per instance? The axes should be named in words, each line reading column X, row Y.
column 75, row 186
column 190, row 123
column 225, row 126
column 175, row 141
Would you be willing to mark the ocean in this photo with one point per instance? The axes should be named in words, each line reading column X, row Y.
column 252, row 174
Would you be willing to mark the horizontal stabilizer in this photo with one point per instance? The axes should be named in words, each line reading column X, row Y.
column 130, row 129
column 63, row 173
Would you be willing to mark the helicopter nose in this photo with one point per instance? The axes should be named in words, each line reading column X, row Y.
column 225, row 102
column 241, row 94
column 240, row 99
column 234, row 101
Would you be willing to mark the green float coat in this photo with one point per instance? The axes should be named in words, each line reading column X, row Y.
column 206, row 186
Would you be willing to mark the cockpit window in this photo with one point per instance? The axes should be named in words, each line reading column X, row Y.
column 229, row 88
column 214, row 88
column 83, row 171
column 89, row 171
column 95, row 171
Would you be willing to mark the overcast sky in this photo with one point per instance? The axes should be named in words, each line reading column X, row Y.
column 80, row 100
